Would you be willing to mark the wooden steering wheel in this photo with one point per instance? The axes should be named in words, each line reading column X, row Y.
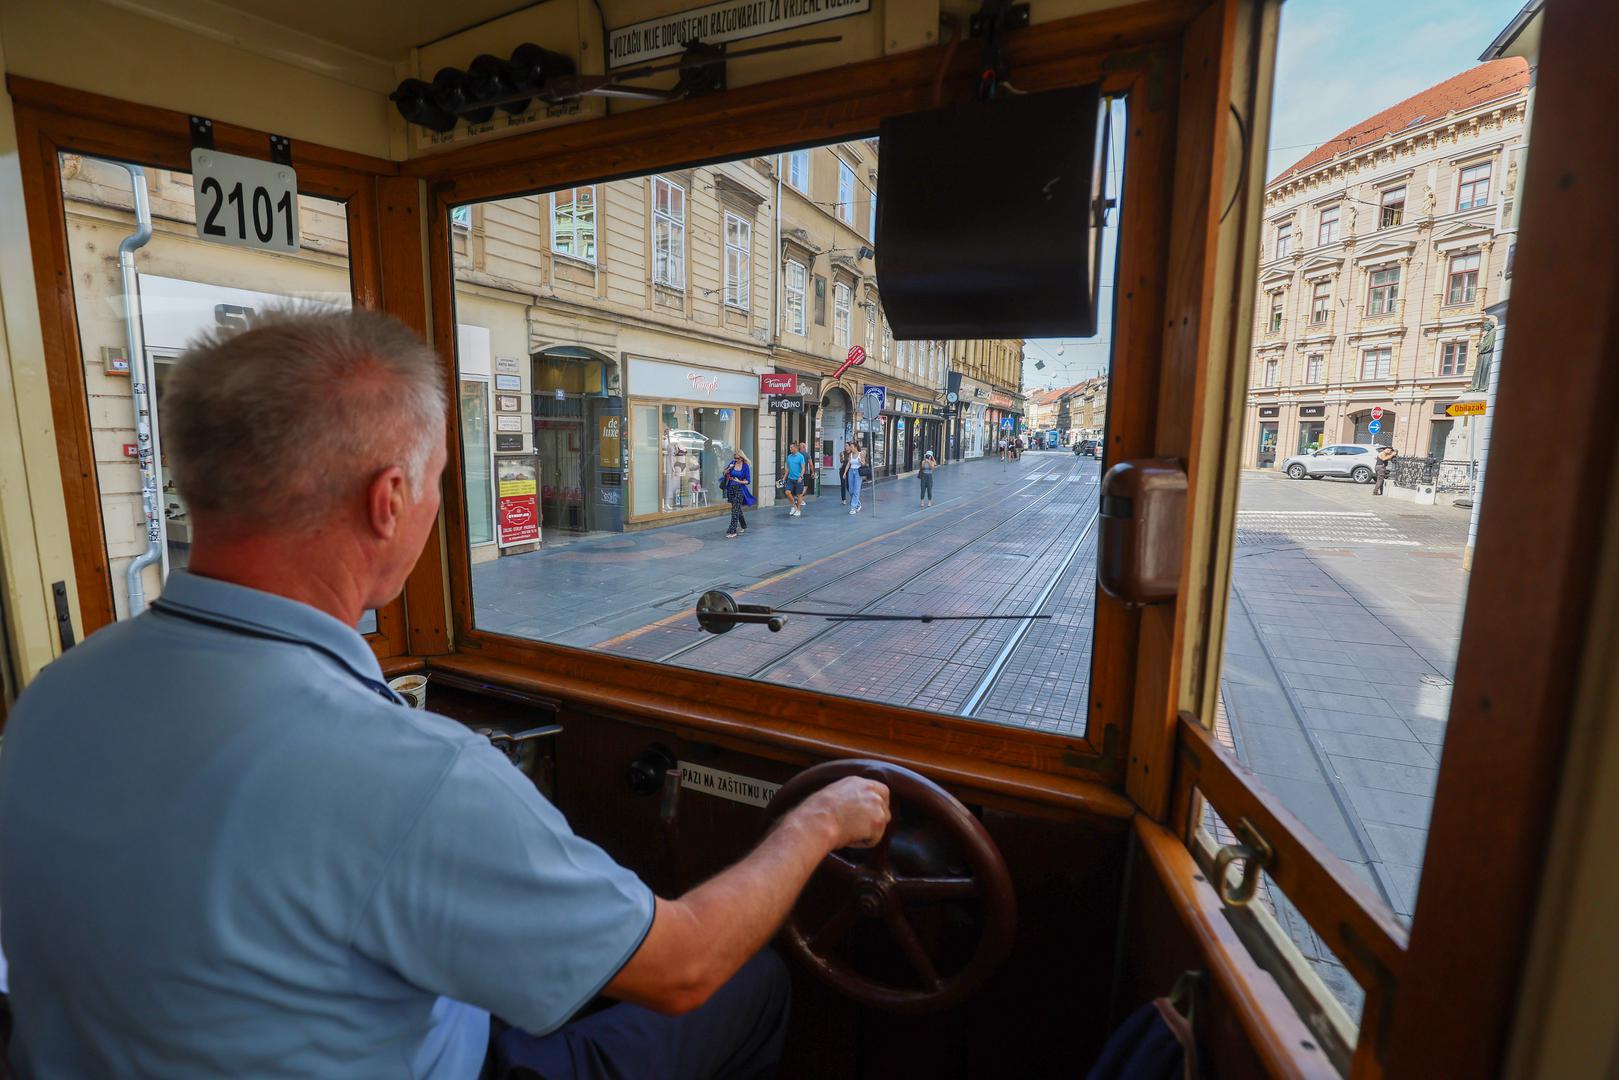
column 872, row 887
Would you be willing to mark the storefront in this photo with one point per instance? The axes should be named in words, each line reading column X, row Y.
column 793, row 400
column 839, row 418
column 577, row 434
column 685, row 422
column 913, row 428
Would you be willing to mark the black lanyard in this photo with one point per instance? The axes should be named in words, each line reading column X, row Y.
column 230, row 626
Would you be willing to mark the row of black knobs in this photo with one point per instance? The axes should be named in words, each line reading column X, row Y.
column 474, row 94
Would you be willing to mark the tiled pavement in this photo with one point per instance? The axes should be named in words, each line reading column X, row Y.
column 992, row 543
column 1340, row 648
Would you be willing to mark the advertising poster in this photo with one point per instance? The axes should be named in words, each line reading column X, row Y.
column 517, row 509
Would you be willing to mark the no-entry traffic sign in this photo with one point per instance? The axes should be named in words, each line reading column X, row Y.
column 1377, row 412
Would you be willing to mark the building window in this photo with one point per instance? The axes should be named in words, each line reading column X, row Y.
column 871, row 222
column 798, row 162
column 1284, row 239
column 1275, row 323
column 845, row 192
column 888, row 342
column 1320, row 303
column 461, row 216
column 869, row 338
column 820, row 300
column 1313, row 367
column 738, row 261
column 840, row 315
column 1453, row 358
column 1273, row 371
column 1384, row 291
column 573, row 223
column 1327, row 231
column 1462, row 284
column 1393, row 203
column 1473, row 187
column 1375, row 364
column 793, row 305
column 668, row 233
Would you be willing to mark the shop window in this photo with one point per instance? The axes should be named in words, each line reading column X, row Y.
column 1383, row 291
column 1391, row 208
column 793, row 297
column 1473, row 187
column 840, row 315
column 738, row 261
column 1461, row 284
column 573, row 223
column 668, row 233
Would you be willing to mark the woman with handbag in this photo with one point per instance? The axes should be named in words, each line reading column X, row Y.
column 735, row 485
column 843, row 475
column 854, row 469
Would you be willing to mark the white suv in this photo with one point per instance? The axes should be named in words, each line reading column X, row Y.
column 1341, row 459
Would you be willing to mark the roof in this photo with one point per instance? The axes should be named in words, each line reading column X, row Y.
column 1487, row 82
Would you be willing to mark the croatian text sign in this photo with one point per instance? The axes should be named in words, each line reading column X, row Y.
column 730, row 20
column 727, row 785
column 1465, row 408
column 517, row 508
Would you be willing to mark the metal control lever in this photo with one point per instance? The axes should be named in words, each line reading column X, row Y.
column 511, row 743
column 669, row 804
column 718, row 612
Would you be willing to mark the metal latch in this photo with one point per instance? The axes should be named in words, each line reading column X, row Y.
column 511, row 743
column 1256, row 855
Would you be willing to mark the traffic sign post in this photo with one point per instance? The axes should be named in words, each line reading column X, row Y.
column 871, row 410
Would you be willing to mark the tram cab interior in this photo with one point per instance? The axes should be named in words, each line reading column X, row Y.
column 1040, row 884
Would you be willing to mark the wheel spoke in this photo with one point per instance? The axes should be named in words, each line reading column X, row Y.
column 911, row 946
column 832, row 931
column 878, row 859
column 842, row 867
column 936, row 889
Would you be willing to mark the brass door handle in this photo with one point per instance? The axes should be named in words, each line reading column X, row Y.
column 1256, row 854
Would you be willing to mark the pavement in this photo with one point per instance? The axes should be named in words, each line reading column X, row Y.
column 1340, row 653
column 1007, row 539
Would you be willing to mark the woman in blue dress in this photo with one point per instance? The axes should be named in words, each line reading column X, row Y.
column 735, row 485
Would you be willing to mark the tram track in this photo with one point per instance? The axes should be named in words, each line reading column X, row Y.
column 1057, row 486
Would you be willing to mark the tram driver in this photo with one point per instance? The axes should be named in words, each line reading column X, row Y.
column 227, row 849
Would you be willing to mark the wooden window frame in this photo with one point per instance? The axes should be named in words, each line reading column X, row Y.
column 800, row 325
column 738, row 287
column 1449, row 354
column 1480, row 187
column 1469, row 287
column 676, row 257
column 1388, row 292
column 1130, row 58
column 846, row 210
column 52, row 120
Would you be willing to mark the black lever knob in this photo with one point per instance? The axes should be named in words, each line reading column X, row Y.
column 646, row 773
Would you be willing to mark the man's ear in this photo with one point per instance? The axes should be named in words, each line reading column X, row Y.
column 385, row 500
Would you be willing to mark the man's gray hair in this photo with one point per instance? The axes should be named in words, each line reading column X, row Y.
column 283, row 423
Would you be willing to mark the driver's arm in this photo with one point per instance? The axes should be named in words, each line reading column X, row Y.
column 700, row 940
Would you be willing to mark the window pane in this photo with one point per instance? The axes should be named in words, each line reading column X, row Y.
column 184, row 288
column 633, row 524
column 1347, row 592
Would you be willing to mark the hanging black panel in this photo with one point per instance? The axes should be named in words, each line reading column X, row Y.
column 987, row 217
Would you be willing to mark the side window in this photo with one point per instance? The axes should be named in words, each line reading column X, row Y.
column 668, row 233
column 573, row 223
column 793, row 297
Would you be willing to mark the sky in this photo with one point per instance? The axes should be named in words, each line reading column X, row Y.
column 1338, row 62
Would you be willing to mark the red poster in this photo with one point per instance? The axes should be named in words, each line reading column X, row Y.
column 517, row 507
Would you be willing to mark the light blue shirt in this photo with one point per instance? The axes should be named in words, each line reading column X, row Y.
column 795, row 465
column 222, row 855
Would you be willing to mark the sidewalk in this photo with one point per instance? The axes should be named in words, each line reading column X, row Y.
column 591, row 590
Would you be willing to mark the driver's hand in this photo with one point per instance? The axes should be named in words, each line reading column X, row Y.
column 857, row 807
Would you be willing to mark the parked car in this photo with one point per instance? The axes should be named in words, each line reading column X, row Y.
column 1341, row 459
column 1089, row 448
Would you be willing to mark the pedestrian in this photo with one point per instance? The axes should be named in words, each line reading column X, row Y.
column 852, row 469
column 843, row 475
column 735, row 485
column 925, row 474
column 1385, row 462
column 796, row 464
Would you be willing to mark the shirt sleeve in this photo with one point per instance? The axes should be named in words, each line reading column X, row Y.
column 492, row 900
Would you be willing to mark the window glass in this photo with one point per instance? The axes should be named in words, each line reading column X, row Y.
column 668, row 233
column 846, row 202
column 1327, row 231
column 183, row 287
column 798, row 162
column 573, row 223
column 1350, row 574
column 629, row 404
column 738, row 260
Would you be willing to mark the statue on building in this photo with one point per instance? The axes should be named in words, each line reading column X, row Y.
column 1350, row 231
column 1428, row 200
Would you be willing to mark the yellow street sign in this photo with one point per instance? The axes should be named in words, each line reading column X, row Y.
column 1465, row 408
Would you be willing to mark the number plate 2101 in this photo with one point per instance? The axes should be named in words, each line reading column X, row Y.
column 245, row 202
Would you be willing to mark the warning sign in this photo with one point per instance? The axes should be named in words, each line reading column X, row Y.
column 517, row 504
column 729, row 20
column 727, row 785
